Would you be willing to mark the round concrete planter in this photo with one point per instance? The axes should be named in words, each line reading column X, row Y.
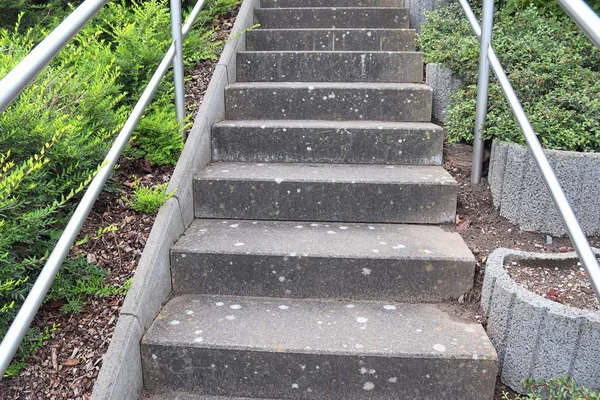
column 522, row 197
column 536, row 337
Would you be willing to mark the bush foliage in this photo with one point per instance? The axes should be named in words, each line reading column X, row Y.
column 55, row 135
column 553, row 67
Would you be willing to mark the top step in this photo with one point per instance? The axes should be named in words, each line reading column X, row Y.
column 332, row 17
column 331, row 3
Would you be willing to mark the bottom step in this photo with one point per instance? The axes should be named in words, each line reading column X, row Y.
column 188, row 396
column 315, row 349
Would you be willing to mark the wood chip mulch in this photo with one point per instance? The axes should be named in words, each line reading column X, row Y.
column 68, row 363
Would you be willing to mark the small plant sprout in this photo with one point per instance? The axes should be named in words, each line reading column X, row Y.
column 148, row 200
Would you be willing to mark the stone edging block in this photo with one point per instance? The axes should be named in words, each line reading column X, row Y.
column 536, row 337
column 444, row 85
column 518, row 189
column 121, row 373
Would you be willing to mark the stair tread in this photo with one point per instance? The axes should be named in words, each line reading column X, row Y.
column 338, row 173
column 365, row 328
column 330, row 85
column 313, row 123
column 302, row 239
column 190, row 396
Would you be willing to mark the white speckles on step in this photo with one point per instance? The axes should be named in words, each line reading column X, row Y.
column 174, row 322
column 197, row 332
column 278, row 180
column 439, row 347
column 198, row 340
column 369, row 386
column 294, row 386
column 361, row 320
column 219, row 304
column 331, row 232
column 189, row 312
column 234, row 225
column 366, row 271
column 239, row 244
column 393, row 380
column 398, row 246
column 282, row 307
column 230, row 317
column 389, row 307
column 350, row 306
column 281, row 279
column 235, row 306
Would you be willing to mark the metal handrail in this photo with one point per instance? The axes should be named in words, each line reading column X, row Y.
column 578, row 238
column 34, row 299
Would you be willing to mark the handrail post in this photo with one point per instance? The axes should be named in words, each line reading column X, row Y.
column 178, row 61
column 482, row 89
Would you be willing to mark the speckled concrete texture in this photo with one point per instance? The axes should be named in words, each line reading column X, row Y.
column 322, row 260
column 364, row 17
column 316, row 349
column 331, row 40
column 365, row 142
column 320, row 66
column 536, row 337
column 444, row 85
column 326, row 192
column 330, row 3
column 521, row 196
column 337, row 101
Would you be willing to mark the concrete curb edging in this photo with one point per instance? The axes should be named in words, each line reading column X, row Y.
column 536, row 337
column 520, row 194
column 121, row 373
column 444, row 85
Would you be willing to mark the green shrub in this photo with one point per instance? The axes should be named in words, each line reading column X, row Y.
column 554, row 389
column 54, row 136
column 148, row 200
column 553, row 67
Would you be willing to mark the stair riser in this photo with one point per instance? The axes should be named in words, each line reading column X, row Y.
column 331, row 3
column 320, row 201
column 293, row 18
column 331, row 40
column 409, row 280
column 400, row 105
column 313, row 376
column 330, row 67
column 314, row 145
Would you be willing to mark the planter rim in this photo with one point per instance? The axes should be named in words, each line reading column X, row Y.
column 495, row 269
column 549, row 151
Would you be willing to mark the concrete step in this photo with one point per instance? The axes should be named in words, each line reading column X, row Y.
column 326, row 192
column 337, row 66
column 178, row 395
column 407, row 263
column 316, row 349
column 314, row 141
column 331, row 40
column 332, row 17
column 338, row 101
column 331, row 3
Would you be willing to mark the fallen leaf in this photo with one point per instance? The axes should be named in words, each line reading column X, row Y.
column 71, row 362
column 464, row 224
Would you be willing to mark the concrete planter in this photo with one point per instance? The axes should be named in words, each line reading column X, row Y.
column 444, row 85
column 521, row 195
column 536, row 337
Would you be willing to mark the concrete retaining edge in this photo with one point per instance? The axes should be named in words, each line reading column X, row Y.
column 520, row 194
column 444, row 85
column 121, row 374
column 536, row 337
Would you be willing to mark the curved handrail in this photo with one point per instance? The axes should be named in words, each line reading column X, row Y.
column 576, row 234
column 14, row 335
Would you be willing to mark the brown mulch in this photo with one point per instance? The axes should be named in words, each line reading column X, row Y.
column 67, row 365
column 484, row 230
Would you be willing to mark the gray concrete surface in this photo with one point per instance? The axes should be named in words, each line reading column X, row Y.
column 367, row 142
column 331, row 40
column 330, row 3
column 364, row 17
column 319, row 66
column 536, row 337
column 400, row 102
column 316, row 349
column 322, row 260
column 121, row 373
column 418, row 8
column 521, row 196
column 326, row 192
column 444, row 85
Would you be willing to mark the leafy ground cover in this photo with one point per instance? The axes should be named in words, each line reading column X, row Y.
column 79, row 101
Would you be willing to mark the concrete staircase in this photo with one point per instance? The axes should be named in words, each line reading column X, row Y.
column 315, row 268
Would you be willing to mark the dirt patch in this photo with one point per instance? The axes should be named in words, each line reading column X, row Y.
column 566, row 284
